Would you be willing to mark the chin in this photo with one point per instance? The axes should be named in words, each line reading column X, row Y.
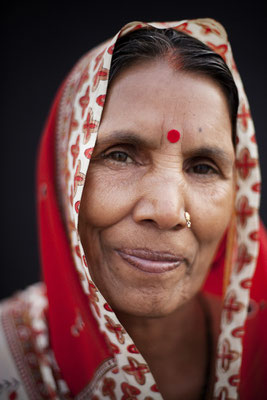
column 152, row 306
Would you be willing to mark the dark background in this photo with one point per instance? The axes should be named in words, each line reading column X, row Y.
column 40, row 43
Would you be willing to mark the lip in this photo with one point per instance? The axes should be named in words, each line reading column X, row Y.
column 151, row 261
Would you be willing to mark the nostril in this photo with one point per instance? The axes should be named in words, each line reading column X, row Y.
column 160, row 226
column 148, row 222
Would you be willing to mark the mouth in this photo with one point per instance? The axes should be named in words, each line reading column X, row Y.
column 151, row 261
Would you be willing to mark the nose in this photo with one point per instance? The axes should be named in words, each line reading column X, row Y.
column 161, row 204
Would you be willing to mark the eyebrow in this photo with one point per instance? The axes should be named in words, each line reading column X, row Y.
column 127, row 137
column 210, row 152
column 130, row 137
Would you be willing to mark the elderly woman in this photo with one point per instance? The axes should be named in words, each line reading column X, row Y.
column 149, row 254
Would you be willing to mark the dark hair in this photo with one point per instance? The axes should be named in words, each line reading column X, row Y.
column 185, row 53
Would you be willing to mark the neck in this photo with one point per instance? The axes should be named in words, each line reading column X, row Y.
column 177, row 346
column 161, row 334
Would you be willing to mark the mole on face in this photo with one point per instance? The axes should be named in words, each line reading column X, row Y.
column 173, row 136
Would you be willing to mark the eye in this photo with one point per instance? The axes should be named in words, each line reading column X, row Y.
column 118, row 156
column 203, row 169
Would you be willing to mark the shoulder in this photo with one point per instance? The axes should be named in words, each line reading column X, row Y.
column 22, row 330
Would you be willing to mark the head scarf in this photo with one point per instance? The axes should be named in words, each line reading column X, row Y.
column 95, row 355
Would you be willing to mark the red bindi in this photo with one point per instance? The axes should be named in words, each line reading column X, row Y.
column 173, row 136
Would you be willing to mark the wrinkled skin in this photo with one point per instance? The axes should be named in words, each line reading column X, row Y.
column 137, row 190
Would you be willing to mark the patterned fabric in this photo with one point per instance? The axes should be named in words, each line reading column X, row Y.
column 104, row 360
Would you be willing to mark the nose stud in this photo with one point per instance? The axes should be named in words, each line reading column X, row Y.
column 187, row 218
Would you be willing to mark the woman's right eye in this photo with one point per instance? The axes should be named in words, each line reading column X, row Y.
column 118, row 156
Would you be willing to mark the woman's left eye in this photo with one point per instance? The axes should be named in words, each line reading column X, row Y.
column 118, row 156
column 203, row 169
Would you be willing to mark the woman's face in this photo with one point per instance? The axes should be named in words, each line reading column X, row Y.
column 141, row 254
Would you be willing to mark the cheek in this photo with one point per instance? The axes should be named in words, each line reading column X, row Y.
column 105, row 200
column 211, row 213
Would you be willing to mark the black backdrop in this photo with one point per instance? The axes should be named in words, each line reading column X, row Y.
column 41, row 42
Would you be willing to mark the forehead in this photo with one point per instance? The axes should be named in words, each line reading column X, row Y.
column 151, row 98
